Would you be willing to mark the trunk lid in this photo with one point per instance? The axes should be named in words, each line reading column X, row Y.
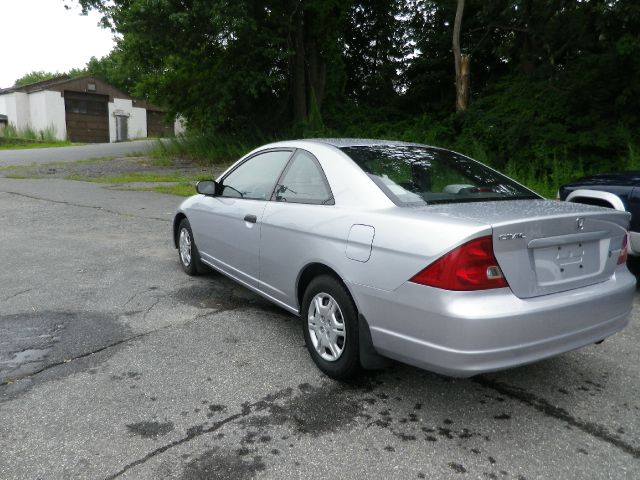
column 546, row 247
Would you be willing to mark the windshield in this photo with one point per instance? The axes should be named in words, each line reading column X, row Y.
column 414, row 175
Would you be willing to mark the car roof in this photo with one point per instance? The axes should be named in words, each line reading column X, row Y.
column 340, row 143
column 360, row 142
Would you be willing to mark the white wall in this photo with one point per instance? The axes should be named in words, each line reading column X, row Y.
column 46, row 111
column 179, row 126
column 23, row 114
column 137, row 125
column 39, row 110
column 8, row 107
column 16, row 107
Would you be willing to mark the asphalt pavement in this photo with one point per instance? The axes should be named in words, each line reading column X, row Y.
column 117, row 365
column 74, row 153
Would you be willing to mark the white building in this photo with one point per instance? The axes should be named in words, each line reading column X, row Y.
column 83, row 109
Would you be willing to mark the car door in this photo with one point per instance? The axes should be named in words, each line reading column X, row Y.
column 292, row 224
column 229, row 224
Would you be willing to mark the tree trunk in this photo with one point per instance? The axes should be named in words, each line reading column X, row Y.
column 527, row 63
column 462, row 84
column 298, row 73
column 317, row 72
column 461, row 63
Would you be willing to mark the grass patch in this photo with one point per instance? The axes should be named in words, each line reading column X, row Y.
column 30, row 145
column 22, row 176
column 178, row 182
column 137, row 177
column 75, row 162
column 10, row 168
column 56, row 164
column 179, row 189
column 173, row 183
column 162, row 161
column 35, row 170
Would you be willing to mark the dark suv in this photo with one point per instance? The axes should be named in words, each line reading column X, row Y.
column 619, row 190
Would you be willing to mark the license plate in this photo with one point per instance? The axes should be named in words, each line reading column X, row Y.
column 561, row 263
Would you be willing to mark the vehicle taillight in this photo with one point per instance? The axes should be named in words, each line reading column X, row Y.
column 624, row 251
column 471, row 266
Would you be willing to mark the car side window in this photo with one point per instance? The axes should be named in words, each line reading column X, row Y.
column 255, row 178
column 303, row 182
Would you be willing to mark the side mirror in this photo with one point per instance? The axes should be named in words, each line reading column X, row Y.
column 208, row 187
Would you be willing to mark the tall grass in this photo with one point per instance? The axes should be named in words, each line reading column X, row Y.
column 219, row 148
column 204, row 148
column 10, row 134
column 544, row 172
column 632, row 162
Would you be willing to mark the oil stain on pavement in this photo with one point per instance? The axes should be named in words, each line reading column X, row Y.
column 35, row 341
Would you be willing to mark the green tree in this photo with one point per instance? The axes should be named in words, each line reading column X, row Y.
column 115, row 70
column 233, row 65
column 35, row 76
column 548, row 80
column 41, row 75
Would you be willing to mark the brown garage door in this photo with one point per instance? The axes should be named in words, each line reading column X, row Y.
column 156, row 126
column 87, row 117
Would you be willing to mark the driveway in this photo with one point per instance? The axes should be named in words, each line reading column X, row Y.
column 74, row 153
column 118, row 365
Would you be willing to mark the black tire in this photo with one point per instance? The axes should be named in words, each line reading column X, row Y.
column 633, row 264
column 347, row 364
column 190, row 263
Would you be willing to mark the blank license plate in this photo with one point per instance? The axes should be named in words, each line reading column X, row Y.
column 561, row 263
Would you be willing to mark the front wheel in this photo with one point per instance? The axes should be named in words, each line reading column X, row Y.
column 189, row 256
column 330, row 327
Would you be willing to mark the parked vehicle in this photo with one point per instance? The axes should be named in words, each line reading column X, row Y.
column 410, row 252
column 612, row 190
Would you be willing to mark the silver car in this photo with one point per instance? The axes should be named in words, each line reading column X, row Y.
column 410, row 252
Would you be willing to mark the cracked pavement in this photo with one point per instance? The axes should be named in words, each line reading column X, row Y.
column 115, row 364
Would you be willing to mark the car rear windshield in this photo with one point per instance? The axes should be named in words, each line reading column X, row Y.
column 414, row 175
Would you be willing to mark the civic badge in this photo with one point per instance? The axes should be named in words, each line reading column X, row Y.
column 579, row 223
column 511, row 236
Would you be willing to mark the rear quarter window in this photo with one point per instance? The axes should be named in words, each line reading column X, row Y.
column 417, row 175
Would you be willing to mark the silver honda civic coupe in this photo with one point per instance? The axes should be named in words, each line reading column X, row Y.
column 410, row 252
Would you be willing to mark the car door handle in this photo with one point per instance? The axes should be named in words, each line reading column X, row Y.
column 250, row 218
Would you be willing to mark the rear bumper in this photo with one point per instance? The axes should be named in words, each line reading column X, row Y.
column 467, row 333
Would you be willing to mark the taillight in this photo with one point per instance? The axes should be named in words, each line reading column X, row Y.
column 471, row 266
column 624, row 251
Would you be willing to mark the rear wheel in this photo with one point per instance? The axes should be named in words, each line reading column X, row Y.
column 330, row 327
column 188, row 252
column 633, row 263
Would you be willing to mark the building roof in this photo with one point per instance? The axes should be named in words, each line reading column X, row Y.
column 65, row 82
column 80, row 84
column 36, row 86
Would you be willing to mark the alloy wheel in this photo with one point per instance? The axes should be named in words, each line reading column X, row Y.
column 185, row 247
column 326, row 327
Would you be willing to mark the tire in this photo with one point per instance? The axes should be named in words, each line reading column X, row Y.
column 331, row 338
column 633, row 264
column 187, row 250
